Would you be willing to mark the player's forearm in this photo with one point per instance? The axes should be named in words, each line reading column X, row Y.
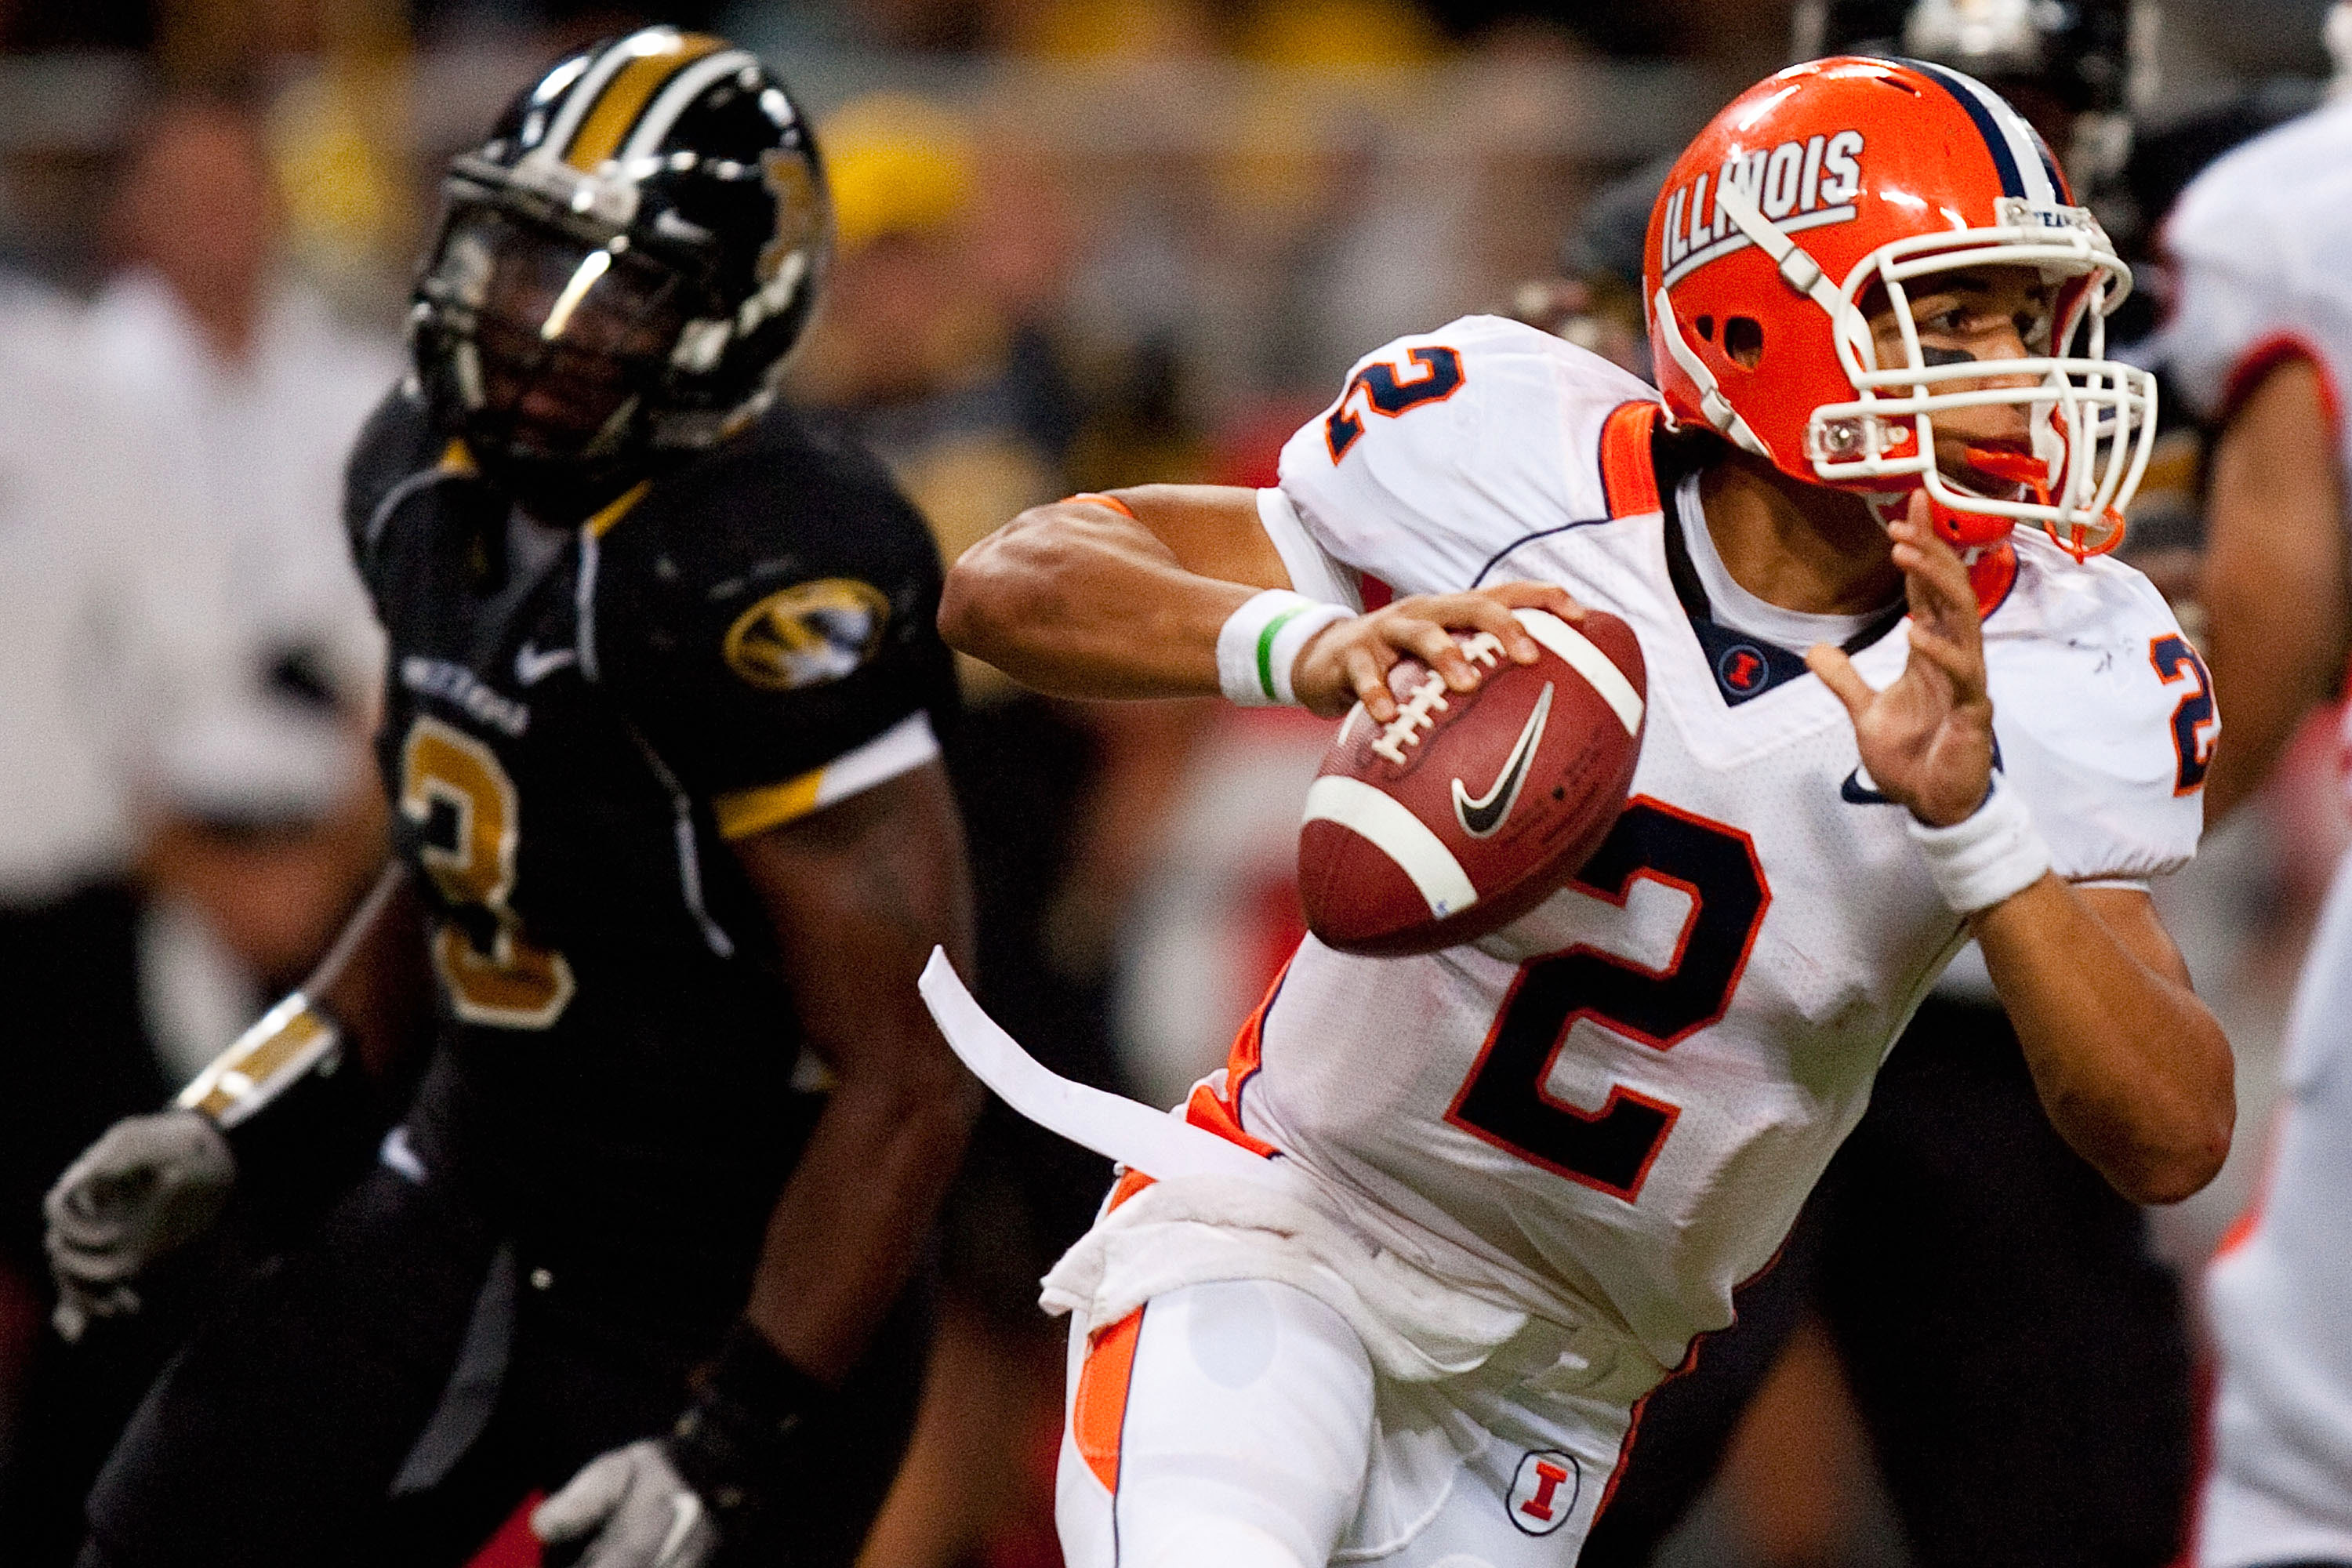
column 1075, row 600
column 859, row 894
column 2277, row 601
column 2276, row 650
column 367, row 999
column 850, row 1224
column 2133, row 1070
column 383, row 995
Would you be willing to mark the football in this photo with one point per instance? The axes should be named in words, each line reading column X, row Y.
column 1470, row 808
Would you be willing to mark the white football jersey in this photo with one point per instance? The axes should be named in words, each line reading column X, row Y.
column 1612, row 1108
column 2261, row 238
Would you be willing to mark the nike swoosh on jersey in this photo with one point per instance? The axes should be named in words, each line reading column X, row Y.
column 1482, row 816
column 1854, row 792
column 532, row 666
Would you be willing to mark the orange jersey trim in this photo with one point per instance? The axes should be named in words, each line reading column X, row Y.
column 2250, row 1218
column 1212, row 1112
column 1221, row 1114
column 1629, row 482
column 1689, row 1361
column 2255, row 366
column 1130, row 1182
column 1099, row 1410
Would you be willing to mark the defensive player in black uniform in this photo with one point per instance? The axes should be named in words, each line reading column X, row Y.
column 658, row 736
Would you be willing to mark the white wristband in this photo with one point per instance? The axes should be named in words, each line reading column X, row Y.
column 1981, row 859
column 1260, row 642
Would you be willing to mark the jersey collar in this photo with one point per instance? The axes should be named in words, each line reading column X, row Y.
column 1744, row 665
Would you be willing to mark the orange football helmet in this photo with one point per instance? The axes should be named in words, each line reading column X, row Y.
column 1841, row 175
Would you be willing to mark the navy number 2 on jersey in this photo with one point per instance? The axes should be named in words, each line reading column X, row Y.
column 1504, row 1100
column 1383, row 389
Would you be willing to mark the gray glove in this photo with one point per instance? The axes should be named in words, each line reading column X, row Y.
column 630, row 1509
column 150, row 1185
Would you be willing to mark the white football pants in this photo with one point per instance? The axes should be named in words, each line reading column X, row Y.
column 2280, row 1298
column 1240, row 1424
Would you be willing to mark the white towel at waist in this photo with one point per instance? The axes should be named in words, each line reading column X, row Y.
column 1417, row 1328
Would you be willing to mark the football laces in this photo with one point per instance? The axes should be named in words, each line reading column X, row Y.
column 1418, row 714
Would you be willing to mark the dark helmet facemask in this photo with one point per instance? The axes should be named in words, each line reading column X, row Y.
column 553, row 349
column 620, row 268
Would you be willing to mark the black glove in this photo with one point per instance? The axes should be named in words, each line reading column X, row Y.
column 738, row 1442
column 672, row 1502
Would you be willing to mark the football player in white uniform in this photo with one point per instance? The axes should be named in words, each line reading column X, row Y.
column 2261, row 340
column 1505, row 1187
column 2014, row 1348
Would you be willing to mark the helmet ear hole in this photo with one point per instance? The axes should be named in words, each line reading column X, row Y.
column 1743, row 340
column 1706, row 325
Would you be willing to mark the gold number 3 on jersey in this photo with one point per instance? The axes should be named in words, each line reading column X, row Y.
column 515, row 984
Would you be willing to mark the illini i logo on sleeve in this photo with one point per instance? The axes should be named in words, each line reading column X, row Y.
column 808, row 634
column 1543, row 1492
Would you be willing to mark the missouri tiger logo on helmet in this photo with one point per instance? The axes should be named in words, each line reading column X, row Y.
column 1841, row 187
column 622, row 264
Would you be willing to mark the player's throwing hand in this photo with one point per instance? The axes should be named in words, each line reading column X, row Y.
column 1926, row 738
column 1350, row 661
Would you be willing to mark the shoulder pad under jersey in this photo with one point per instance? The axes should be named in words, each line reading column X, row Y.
column 769, row 607
column 1444, row 449
column 2104, row 713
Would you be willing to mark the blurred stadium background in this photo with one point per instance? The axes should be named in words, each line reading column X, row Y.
column 1083, row 243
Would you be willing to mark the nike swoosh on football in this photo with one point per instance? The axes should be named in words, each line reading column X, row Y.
column 1481, row 817
column 532, row 666
column 1854, row 792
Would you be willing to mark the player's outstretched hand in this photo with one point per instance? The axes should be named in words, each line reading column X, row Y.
column 627, row 1509
column 1349, row 661
column 1927, row 739
column 150, row 1185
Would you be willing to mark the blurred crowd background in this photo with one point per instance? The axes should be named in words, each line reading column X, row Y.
column 1083, row 243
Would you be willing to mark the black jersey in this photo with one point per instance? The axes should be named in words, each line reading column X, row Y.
column 575, row 719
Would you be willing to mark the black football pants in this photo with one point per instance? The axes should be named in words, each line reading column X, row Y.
column 279, row 1435
column 2020, row 1361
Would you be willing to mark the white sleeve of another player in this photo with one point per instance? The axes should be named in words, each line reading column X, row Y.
column 2104, row 718
column 2231, row 322
column 2246, row 295
column 1423, row 489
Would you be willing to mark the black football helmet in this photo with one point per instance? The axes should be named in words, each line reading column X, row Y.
column 621, row 267
column 2077, row 68
column 2082, row 52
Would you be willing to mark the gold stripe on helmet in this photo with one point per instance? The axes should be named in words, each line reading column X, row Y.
column 625, row 96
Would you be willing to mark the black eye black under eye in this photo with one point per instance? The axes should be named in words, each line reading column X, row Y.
column 1934, row 356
